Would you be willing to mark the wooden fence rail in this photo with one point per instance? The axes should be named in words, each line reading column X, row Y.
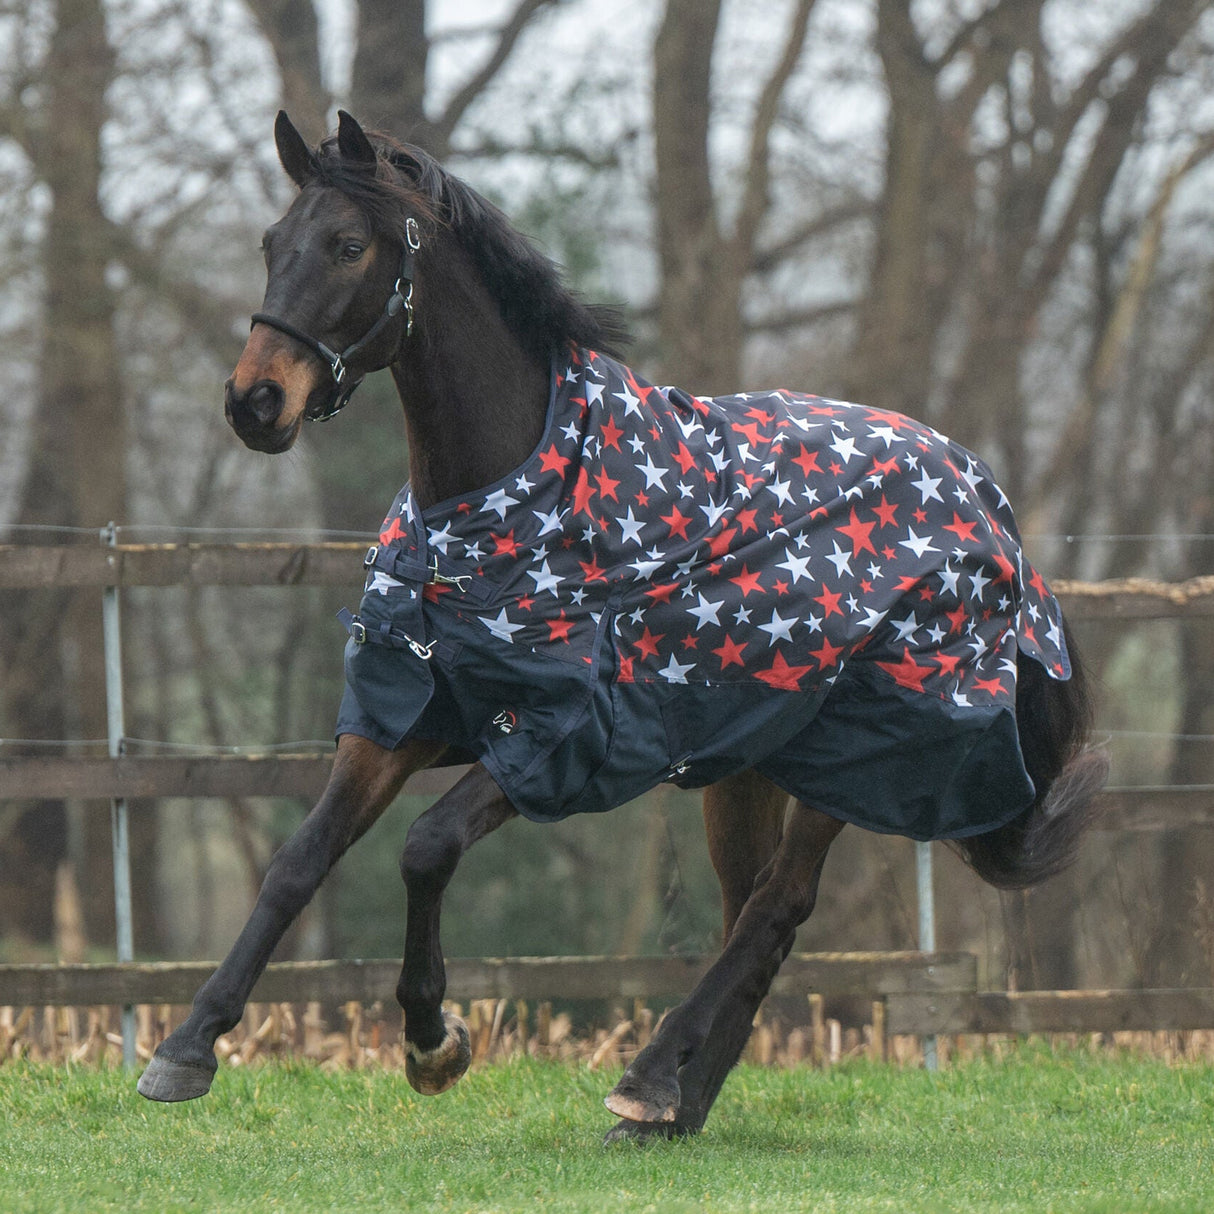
column 28, row 566
column 871, row 974
column 922, row 993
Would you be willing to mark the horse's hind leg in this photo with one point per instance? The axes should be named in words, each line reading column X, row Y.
column 743, row 819
column 437, row 1050
column 649, row 1090
column 364, row 781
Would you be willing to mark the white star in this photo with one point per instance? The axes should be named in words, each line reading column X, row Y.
column 630, row 528
column 840, row 559
column 845, row 446
column 637, row 443
column 936, row 634
column 675, row 672
column 742, row 615
column 632, row 402
column 929, row 487
column 918, row 544
column 781, row 490
column 706, row 612
column 381, row 583
column 978, row 584
column 653, row 475
column 887, row 434
column 501, row 627
column 906, row 628
column 544, row 579
column 499, row 502
column 713, row 512
column 549, row 520
column 778, row 629
column 523, row 485
column 644, row 568
column 949, row 576
column 440, row 539
column 797, row 566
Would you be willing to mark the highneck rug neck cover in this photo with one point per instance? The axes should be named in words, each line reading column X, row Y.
column 673, row 588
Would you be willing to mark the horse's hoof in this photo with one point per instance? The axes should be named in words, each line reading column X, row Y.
column 642, row 1133
column 434, row 1071
column 170, row 1081
column 637, row 1100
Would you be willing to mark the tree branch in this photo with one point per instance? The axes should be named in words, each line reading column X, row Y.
column 755, row 197
column 770, row 257
column 508, row 35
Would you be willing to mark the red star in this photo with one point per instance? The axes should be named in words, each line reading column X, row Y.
column 582, row 492
column 751, row 433
column 592, row 570
column 990, row 686
column 625, row 671
column 731, row 652
column 807, row 461
column 393, row 532
column 886, row 512
column 885, row 466
column 647, row 646
column 1038, row 584
column 907, row 673
column 1007, row 571
column 504, row 545
column 746, row 520
column 957, row 619
column 559, row 629
column 828, row 655
column 830, row 601
column 781, row 675
column 948, row 662
column 781, row 586
column 747, row 580
column 764, row 419
column 676, row 521
column 719, row 544
column 661, row 594
column 611, row 433
column 858, row 533
column 684, row 459
column 606, row 485
column 690, row 642
column 553, row 461
column 963, row 531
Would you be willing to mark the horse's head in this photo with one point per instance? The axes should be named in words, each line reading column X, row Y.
column 336, row 292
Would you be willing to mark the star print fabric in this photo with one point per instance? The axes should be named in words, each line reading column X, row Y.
column 734, row 575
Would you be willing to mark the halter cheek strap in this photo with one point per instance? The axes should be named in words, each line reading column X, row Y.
column 400, row 299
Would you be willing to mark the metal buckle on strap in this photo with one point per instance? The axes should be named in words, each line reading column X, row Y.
column 370, row 558
column 358, row 630
column 444, row 580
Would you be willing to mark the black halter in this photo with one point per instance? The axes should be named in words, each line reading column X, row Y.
column 401, row 298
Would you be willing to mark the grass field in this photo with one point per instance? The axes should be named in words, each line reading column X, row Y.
column 1036, row 1131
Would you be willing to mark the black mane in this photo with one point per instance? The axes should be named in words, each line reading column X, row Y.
column 542, row 312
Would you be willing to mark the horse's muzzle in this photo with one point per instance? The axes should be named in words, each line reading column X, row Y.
column 254, row 415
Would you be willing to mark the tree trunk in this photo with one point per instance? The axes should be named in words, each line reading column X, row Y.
column 54, row 683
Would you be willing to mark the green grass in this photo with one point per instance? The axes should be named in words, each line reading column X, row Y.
column 1037, row 1131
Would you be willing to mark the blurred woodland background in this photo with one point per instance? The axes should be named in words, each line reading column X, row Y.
column 996, row 215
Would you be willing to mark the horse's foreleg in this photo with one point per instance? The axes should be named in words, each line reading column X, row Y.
column 649, row 1090
column 437, row 1050
column 364, row 781
column 743, row 819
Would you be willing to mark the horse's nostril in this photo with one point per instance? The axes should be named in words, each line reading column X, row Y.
column 266, row 401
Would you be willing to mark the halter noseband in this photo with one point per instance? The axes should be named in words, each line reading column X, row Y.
column 401, row 298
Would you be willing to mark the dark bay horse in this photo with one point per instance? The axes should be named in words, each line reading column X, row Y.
column 802, row 597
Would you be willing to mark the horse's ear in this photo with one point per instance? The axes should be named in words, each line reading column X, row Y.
column 352, row 143
column 295, row 155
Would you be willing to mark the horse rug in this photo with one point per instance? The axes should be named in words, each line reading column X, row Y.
column 678, row 589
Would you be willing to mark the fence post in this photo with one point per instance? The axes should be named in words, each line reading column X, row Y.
column 927, row 929
column 119, row 825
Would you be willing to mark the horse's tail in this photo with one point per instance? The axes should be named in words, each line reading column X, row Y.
column 1054, row 719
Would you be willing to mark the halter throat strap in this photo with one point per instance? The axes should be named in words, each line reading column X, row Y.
column 400, row 300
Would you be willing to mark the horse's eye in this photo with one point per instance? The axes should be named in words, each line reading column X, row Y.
column 352, row 251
